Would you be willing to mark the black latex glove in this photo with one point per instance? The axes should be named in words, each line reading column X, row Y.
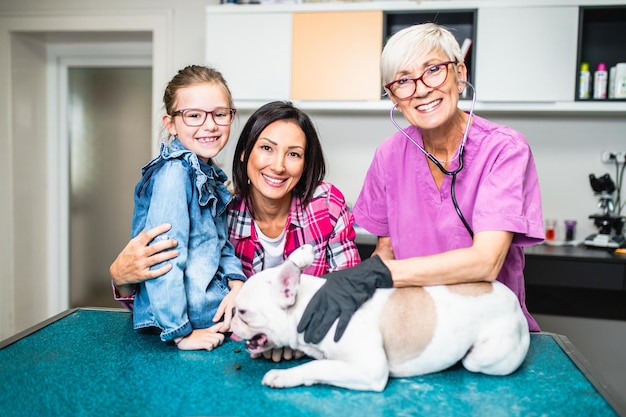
column 341, row 295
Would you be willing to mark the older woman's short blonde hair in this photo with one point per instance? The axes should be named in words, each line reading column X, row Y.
column 408, row 44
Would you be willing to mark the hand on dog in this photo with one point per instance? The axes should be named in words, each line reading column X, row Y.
column 341, row 295
column 226, row 307
column 279, row 354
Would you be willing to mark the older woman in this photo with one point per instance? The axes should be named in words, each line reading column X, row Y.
column 453, row 198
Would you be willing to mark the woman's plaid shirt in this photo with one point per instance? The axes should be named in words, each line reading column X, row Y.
column 325, row 223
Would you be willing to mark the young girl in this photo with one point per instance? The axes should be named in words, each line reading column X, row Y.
column 184, row 188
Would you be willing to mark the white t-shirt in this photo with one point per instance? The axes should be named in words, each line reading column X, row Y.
column 273, row 248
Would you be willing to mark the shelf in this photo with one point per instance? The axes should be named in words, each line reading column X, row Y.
column 601, row 37
column 316, row 6
column 337, row 6
column 607, row 107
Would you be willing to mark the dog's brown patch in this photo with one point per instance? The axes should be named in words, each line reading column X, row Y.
column 473, row 289
column 407, row 323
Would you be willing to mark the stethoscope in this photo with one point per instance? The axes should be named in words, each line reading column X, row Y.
column 435, row 161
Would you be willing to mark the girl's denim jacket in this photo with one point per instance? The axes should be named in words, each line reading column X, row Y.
column 178, row 188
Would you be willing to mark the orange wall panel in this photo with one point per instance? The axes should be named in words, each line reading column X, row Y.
column 336, row 55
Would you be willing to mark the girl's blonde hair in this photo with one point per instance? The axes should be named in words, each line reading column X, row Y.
column 191, row 75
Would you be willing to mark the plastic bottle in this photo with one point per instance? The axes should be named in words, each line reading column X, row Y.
column 583, row 81
column 620, row 80
column 612, row 72
column 600, row 78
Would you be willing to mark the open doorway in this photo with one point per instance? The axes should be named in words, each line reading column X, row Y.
column 105, row 134
column 109, row 120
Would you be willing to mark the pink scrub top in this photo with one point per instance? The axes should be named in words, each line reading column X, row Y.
column 497, row 189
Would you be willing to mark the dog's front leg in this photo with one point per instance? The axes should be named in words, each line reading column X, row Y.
column 356, row 376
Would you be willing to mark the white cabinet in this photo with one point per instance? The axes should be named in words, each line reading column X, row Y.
column 307, row 55
column 526, row 54
column 525, row 57
column 253, row 52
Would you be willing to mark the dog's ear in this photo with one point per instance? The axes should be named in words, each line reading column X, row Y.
column 288, row 281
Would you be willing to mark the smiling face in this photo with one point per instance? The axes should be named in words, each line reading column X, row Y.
column 207, row 140
column 276, row 162
column 431, row 108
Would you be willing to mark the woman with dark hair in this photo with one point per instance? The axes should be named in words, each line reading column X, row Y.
column 281, row 201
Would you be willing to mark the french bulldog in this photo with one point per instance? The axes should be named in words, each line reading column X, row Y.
column 398, row 332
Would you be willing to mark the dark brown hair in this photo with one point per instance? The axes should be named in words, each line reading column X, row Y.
column 314, row 165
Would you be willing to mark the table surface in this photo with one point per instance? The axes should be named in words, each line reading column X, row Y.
column 578, row 252
column 87, row 362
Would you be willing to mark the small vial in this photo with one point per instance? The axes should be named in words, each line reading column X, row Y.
column 584, row 80
column 611, row 87
column 570, row 230
column 550, row 230
column 600, row 79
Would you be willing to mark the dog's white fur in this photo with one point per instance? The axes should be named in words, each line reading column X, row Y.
column 398, row 332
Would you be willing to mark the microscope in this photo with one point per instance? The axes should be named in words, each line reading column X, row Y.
column 610, row 226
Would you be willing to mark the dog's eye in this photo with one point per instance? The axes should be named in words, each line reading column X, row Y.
column 240, row 315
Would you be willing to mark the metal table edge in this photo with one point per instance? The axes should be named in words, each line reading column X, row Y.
column 12, row 339
column 618, row 404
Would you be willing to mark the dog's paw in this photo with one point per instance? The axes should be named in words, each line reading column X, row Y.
column 303, row 256
column 281, row 378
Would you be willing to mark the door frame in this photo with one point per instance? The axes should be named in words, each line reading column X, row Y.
column 62, row 57
column 24, row 37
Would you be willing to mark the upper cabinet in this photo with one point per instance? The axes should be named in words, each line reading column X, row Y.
column 335, row 55
column 522, row 55
column 286, row 54
column 526, row 54
column 253, row 52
